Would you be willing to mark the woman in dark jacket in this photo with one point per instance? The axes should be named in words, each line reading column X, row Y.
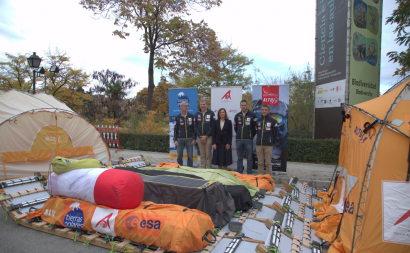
column 222, row 140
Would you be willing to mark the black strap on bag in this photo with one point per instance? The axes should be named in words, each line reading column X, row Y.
column 367, row 126
column 340, row 224
column 209, row 232
column 334, row 187
column 328, row 216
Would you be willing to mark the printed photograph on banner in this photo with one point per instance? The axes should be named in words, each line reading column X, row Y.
column 277, row 97
column 396, row 212
column 175, row 98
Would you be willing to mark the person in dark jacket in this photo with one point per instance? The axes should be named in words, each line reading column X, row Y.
column 184, row 134
column 265, row 135
column 204, row 121
column 244, row 125
column 222, row 140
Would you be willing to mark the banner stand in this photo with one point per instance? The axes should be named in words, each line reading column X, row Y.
column 277, row 97
column 175, row 98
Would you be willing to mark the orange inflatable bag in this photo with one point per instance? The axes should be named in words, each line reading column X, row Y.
column 172, row 227
column 171, row 164
column 326, row 229
column 261, row 181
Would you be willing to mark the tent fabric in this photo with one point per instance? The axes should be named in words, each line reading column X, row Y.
column 376, row 156
column 264, row 182
column 206, row 196
column 172, row 227
column 42, row 123
column 156, row 172
column 223, row 176
column 241, row 197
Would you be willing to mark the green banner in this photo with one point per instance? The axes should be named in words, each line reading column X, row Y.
column 365, row 32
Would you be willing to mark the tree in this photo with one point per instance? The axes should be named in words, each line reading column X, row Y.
column 15, row 73
column 301, row 103
column 160, row 101
column 114, row 89
column 221, row 68
column 168, row 38
column 401, row 17
column 67, row 85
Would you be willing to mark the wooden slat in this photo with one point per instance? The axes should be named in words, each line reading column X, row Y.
column 288, row 187
column 282, row 194
column 122, row 244
column 40, row 224
column 252, row 240
column 261, row 248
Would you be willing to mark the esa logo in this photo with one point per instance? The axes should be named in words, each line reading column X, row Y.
column 133, row 221
column 349, row 207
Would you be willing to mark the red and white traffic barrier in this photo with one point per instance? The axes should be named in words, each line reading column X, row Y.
column 111, row 135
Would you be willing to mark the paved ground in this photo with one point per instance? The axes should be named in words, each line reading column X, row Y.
column 20, row 239
column 318, row 175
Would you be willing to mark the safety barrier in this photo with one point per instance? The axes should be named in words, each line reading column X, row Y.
column 111, row 135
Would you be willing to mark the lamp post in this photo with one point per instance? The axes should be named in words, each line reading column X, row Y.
column 34, row 62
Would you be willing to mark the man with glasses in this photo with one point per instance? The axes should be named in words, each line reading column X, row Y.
column 184, row 134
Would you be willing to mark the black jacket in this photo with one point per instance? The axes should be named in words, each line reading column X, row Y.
column 184, row 127
column 204, row 123
column 245, row 126
column 265, row 131
column 224, row 135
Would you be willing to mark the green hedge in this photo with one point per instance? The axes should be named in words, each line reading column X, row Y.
column 299, row 150
column 313, row 151
column 145, row 142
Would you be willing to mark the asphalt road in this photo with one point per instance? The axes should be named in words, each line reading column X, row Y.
column 16, row 238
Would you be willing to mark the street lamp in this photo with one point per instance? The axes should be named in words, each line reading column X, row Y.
column 34, row 62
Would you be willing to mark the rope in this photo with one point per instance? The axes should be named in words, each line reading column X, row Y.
column 75, row 236
column 125, row 248
column 113, row 250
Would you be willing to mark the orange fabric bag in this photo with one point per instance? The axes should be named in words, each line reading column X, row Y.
column 264, row 182
column 171, row 164
column 327, row 228
column 172, row 227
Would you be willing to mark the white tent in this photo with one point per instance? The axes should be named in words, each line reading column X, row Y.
column 36, row 128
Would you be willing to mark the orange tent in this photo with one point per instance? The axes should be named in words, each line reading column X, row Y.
column 374, row 160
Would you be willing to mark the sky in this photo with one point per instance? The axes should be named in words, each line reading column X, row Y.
column 277, row 35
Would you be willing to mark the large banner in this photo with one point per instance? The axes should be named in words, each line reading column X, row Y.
column 330, row 66
column 277, row 97
column 228, row 97
column 331, row 27
column 365, row 35
column 175, row 98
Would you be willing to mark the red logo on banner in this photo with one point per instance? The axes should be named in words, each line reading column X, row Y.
column 227, row 95
column 270, row 95
column 105, row 221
